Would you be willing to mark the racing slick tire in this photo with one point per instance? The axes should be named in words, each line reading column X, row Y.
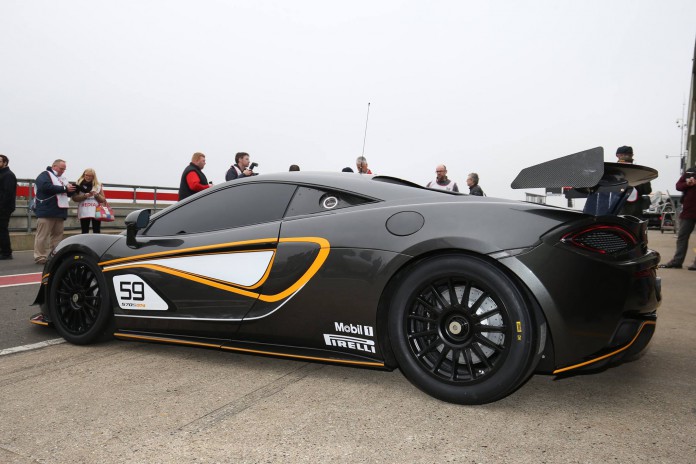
column 79, row 300
column 461, row 331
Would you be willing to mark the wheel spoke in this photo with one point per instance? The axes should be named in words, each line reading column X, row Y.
column 421, row 318
column 481, row 355
column 443, row 356
column 466, row 295
column 491, row 328
column 489, row 344
column 455, row 364
column 69, row 318
column 82, row 316
column 452, row 293
column 79, row 275
column 89, row 307
column 479, row 301
column 429, row 348
column 487, row 314
column 438, row 297
column 90, row 316
column 422, row 334
column 429, row 306
column 469, row 363
column 71, row 278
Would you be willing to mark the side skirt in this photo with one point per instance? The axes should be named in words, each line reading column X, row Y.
column 300, row 354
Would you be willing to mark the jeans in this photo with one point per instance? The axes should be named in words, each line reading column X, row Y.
column 686, row 226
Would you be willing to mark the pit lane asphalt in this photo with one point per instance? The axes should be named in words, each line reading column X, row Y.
column 137, row 402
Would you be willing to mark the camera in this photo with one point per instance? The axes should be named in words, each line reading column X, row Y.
column 251, row 168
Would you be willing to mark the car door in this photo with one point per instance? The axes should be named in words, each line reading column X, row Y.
column 313, row 275
column 201, row 265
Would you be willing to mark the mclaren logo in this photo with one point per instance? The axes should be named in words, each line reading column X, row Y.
column 351, row 343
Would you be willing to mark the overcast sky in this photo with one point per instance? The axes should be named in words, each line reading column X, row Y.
column 134, row 88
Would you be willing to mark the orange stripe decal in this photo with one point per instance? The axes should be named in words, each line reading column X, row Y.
column 162, row 254
column 165, row 340
column 324, row 249
column 592, row 361
column 310, row 358
column 245, row 350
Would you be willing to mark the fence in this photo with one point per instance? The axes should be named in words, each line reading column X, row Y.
column 118, row 195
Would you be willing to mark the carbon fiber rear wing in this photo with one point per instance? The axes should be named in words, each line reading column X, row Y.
column 585, row 174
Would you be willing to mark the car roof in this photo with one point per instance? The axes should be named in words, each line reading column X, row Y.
column 381, row 187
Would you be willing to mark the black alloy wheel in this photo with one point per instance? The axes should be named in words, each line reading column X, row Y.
column 79, row 300
column 461, row 331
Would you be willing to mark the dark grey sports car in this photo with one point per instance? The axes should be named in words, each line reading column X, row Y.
column 467, row 295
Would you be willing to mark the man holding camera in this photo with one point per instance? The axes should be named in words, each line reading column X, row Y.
column 51, row 191
column 241, row 167
column 687, row 219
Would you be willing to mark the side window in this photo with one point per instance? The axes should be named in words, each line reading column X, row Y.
column 308, row 200
column 231, row 207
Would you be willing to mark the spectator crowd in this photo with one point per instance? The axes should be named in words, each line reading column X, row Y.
column 53, row 193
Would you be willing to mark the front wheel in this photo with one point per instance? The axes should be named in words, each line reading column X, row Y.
column 461, row 330
column 79, row 300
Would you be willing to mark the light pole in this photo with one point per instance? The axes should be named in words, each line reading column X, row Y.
column 681, row 124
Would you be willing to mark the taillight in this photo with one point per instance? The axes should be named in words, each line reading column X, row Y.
column 601, row 239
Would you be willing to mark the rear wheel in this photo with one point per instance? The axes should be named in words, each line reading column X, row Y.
column 461, row 331
column 79, row 300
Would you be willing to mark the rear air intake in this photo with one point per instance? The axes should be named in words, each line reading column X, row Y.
column 601, row 239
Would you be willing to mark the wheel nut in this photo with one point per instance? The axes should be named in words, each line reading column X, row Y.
column 455, row 327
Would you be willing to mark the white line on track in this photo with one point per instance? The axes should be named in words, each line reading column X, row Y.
column 17, row 285
column 17, row 275
column 33, row 346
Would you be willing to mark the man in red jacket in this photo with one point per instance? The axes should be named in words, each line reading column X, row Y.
column 687, row 219
column 192, row 179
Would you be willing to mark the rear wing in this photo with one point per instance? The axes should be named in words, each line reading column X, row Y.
column 585, row 174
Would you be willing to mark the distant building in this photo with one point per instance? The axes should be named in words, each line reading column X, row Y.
column 691, row 120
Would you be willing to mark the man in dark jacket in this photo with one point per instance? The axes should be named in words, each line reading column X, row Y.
column 51, row 191
column 8, row 194
column 240, row 168
column 687, row 219
column 192, row 179
column 601, row 203
column 472, row 181
column 635, row 203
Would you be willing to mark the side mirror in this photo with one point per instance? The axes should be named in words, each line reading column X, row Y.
column 135, row 221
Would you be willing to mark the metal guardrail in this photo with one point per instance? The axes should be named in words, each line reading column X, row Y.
column 142, row 191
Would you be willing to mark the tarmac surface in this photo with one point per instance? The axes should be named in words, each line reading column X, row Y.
column 146, row 403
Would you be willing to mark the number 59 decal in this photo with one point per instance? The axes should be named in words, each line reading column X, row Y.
column 134, row 294
column 132, row 291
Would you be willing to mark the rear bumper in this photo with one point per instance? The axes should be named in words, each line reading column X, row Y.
column 631, row 337
column 589, row 303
